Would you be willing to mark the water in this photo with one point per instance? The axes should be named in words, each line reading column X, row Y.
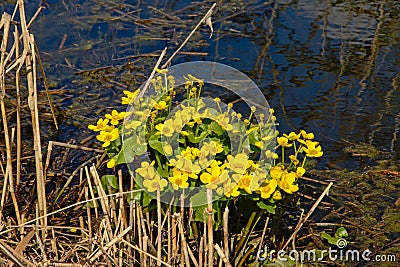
column 327, row 67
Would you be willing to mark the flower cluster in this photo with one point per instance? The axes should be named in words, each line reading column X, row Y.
column 206, row 145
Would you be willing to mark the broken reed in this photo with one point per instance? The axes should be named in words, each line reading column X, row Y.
column 14, row 60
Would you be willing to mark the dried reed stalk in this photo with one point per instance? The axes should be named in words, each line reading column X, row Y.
column 304, row 219
column 159, row 229
column 210, row 228
column 29, row 50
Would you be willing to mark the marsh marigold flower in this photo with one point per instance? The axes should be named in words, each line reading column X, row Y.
column 276, row 172
column 238, row 163
column 129, row 96
column 161, row 105
column 115, row 116
column 166, row 129
column 147, row 171
column 283, row 141
column 179, row 179
column 157, row 182
column 306, row 135
column 292, row 136
column 286, row 183
column 267, row 188
column 277, row 195
column 100, row 126
column 313, row 150
column 247, row 183
column 108, row 137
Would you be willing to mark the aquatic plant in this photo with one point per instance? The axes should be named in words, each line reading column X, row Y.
column 203, row 157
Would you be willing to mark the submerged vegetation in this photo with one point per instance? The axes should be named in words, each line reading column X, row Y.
column 85, row 204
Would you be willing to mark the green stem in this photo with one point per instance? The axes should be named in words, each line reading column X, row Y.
column 304, row 161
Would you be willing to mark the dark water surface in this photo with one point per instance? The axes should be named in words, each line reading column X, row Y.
column 330, row 67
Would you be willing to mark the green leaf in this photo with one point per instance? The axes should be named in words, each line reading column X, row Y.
column 197, row 139
column 164, row 173
column 331, row 240
column 146, row 199
column 111, row 180
column 254, row 136
column 130, row 148
column 341, row 232
column 270, row 208
column 216, row 128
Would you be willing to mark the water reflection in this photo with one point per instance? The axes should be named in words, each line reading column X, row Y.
column 331, row 67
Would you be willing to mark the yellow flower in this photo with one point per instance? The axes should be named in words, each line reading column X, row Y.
column 259, row 144
column 283, row 141
column 166, row 129
column 276, row 172
column 167, row 149
column 179, row 179
column 238, row 163
column 277, row 195
column 269, row 154
column 217, row 100
column 252, row 129
column 155, row 183
column 114, row 117
column 107, row 137
column 184, row 164
column 100, row 126
column 286, row 183
column 111, row 163
column 223, row 121
column 147, row 171
column 292, row 136
column 306, row 135
column 300, row 171
column 248, row 183
column 294, row 160
column 212, row 148
column 133, row 124
column 231, row 189
column 313, row 150
column 162, row 71
column 129, row 97
column 161, row 105
column 267, row 188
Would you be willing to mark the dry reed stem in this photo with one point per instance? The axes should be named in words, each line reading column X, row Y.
column 46, row 85
column 118, row 238
column 210, row 228
column 304, row 219
column 5, row 24
column 17, row 258
column 174, row 237
column 104, row 200
column 159, row 229
column 29, row 51
column 203, row 20
column 184, row 251
column 223, row 256
column 226, row 231
column 153, row 72
column 263, row 234
column 91, row 192
column 145, row 253
column 18, row 98
column 9, row 169
column 22, row 245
